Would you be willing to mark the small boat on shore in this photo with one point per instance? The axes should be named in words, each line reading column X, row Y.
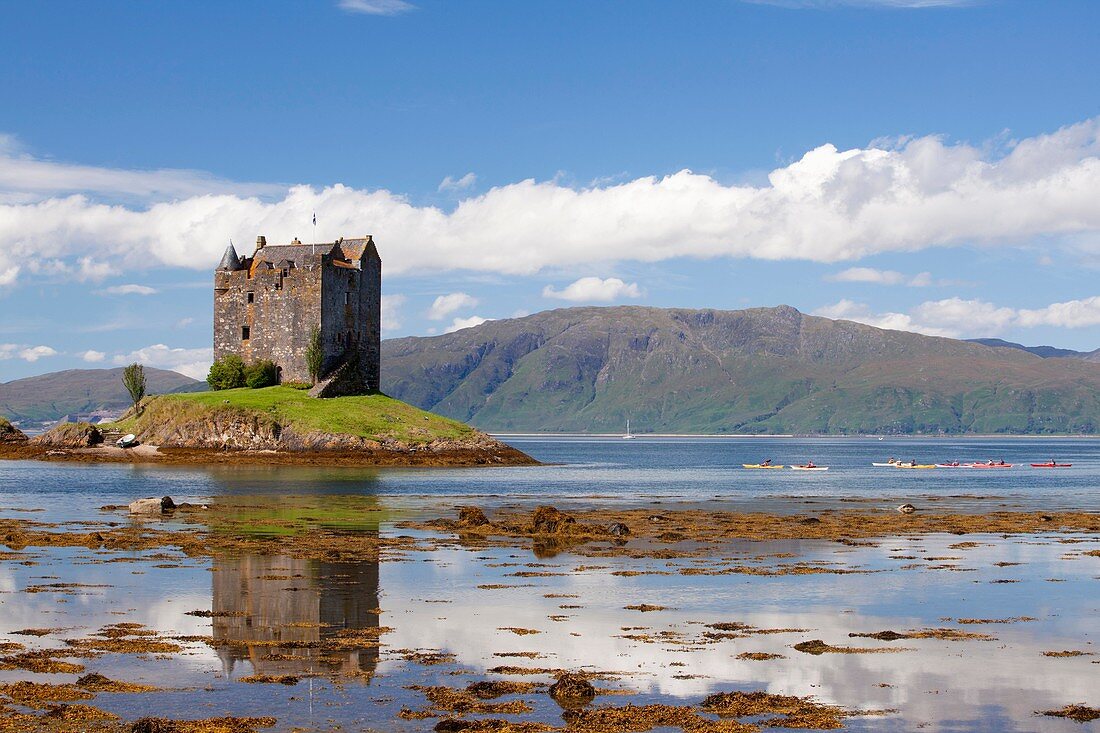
column 1051, row 465
column 760, row 465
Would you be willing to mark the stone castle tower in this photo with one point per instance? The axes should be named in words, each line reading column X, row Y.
column 267, row 305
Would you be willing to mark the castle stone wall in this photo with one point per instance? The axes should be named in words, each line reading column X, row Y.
column 333, row 287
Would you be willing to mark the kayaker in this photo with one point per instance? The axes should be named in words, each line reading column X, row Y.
column 810, row 464
column 768, row 462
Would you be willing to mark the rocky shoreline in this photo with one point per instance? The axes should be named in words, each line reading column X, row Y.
column 251, row 443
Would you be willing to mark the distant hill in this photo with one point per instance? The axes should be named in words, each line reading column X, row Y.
column 73, row 392
column 1047, row 352
column 763, row 370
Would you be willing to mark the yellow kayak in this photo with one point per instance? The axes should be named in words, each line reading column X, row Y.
column 759, row 465
column 917, row 465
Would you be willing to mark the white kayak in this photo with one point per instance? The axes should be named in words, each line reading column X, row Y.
column 884, row 465
column 809, row 468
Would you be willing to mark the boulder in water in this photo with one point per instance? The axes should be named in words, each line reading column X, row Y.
column 152, row 505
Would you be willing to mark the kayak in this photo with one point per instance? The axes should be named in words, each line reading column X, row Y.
column 758, row 465
column 809, row 468
column 954, row 465
column 991, row 465
column 1051, row 465
column 915, row 465
column 883, row 465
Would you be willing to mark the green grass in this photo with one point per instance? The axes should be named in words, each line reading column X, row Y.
column 366, row 416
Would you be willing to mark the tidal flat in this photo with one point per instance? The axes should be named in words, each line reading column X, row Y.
column 302, row 599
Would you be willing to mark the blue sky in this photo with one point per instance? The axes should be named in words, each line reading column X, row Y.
column 919, row 164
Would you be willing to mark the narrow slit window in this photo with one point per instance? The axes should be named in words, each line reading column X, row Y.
column 245, row 333
column 251, row 297
column 347, row 298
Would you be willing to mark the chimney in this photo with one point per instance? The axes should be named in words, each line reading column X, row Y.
column 296, row 241
column 370, row 239
column 261, row 241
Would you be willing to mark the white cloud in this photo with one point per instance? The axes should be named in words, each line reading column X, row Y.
column 829, row 206
column 452, row 184
column 184, row 322
column 867, row 275
column 460, row 323
column 376, row 7
column 93, row 356
column 959, row 318
column 24, row 352
column 23, row 177
column 8, row 275
column 594, row 289
column 129, row 289
column 391, row 311
column 1070, row 314
column 445, row 305
column 195, row 363
column 881, row 277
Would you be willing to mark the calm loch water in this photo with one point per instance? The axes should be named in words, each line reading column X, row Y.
column 443, row 616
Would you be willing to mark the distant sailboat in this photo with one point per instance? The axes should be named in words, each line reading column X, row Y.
column 628, row 435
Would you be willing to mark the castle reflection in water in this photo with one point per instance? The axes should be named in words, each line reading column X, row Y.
column 276, row 612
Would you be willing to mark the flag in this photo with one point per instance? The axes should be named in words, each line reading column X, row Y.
column 314, row 218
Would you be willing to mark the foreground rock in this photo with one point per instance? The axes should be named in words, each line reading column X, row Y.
column 163, row 505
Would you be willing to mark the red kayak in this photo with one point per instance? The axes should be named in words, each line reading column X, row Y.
column 1051, row 465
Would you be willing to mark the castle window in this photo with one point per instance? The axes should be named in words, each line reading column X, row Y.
column 286, row 271
column 245, row 333
column 251, row 297
column 347, row 298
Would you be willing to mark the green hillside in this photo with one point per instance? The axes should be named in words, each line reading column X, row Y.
column 50, row 397
column 763, row 370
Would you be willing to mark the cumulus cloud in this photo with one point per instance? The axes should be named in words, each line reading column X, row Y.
column 24, row 352
column 445, row 305
column 881, row 277
column 594, row 289
column 959, row 318
column 1070, row 314
column 391, row 311
column 92, row 356
column 460, row 323
column 129, row 289
column 376, row 7
column 195, row 363
column 829, row 206
column 452, row 184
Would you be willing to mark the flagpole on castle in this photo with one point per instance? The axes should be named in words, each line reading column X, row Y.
column 314, row 249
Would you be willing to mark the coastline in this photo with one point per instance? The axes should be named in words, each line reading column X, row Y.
column 499, row 454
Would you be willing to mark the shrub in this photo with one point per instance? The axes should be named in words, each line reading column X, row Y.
column 226, row 373
column 261, row 374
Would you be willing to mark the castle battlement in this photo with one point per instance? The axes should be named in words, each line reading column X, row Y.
column 267, row 305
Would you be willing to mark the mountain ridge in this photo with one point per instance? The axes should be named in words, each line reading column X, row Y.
column 54, row 395
column 759, row 370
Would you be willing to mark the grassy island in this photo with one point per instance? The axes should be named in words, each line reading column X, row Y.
column 372, row 417
column 276, row 425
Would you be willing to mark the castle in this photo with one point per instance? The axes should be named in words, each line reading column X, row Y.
column 267, row 306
